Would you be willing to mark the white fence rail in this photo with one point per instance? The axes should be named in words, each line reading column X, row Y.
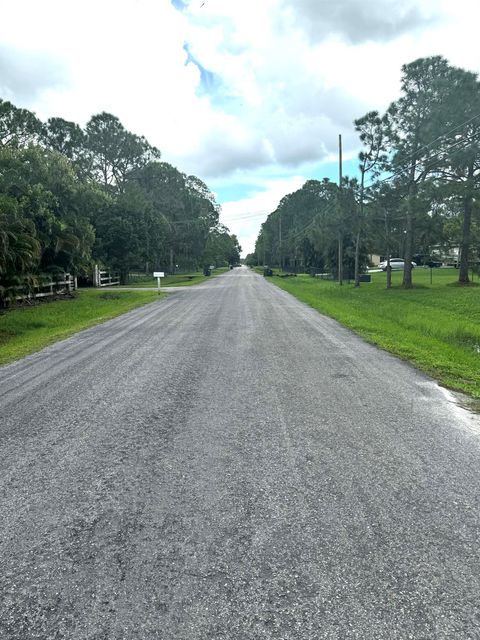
column 52, row 288
column 104, row 278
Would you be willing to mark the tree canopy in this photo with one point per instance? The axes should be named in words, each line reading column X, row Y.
column 417, row 197
column 71, row 197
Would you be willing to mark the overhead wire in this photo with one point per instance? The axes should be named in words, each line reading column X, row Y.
column 412, row 156
column 389, row 178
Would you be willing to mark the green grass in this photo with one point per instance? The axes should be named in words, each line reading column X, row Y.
column 435, row 326
column 180, row 280
column 28, row 329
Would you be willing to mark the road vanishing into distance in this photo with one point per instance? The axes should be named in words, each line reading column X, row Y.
column 226, row 463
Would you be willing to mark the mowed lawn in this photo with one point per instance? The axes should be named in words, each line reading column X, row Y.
column 28, row 329
column 435, row 326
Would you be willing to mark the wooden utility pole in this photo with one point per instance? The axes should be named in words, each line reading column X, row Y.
column 359, row 222
column 340, row 160
column 280, row 241
column 389, row 266
column 340, row 231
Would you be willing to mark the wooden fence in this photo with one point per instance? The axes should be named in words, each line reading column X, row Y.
column 52, row 288
column 104, row 278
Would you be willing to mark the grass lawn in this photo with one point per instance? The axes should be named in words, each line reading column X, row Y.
column 180, row 280
column 28, row 329
column 435, row 326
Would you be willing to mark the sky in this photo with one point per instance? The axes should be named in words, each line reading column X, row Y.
column 248, row 95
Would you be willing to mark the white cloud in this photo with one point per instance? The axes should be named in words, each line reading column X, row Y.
column 286, row 75
column 359, row 21
column 244, row 217
column 27, row 74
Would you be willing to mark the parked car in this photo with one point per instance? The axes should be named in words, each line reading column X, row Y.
column 396, row 264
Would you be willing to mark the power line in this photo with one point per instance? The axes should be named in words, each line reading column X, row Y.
column 446, row 133
column 328, row 209
column 401, row 171
column 389, row 178
column 248, row 216
column 393, row 175
column 422, row 148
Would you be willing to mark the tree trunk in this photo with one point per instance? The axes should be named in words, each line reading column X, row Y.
column 407, row 270
column 412, row 190
column 467, row 221
column 280, row 248
column 387, row 238
column 172, row 264
column 357, row 259
column 340, row 260
column 408, row 253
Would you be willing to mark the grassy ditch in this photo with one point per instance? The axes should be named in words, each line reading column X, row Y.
column 28, row 329
column 179, row 280
column 436, row 326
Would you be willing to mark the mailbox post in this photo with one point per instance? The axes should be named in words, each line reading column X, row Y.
column 158, row 275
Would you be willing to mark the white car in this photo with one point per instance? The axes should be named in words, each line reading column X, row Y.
column 397, row 264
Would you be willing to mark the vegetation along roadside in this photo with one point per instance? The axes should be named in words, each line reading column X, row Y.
column 177, row 280
column 25, row 330
column 435, row 326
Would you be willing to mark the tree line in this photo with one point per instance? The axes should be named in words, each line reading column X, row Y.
column 71, row 197
column 417, row 194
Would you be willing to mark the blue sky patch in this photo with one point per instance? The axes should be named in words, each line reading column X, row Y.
column 232, row 191
column 330, row 170
column 209, row 81
column 180, row 5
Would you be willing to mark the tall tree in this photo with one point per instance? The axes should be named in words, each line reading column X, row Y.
column 18, row 127
column 459, row 174
column 221, row 248
column 372, row 135
column 115, row 152
column 69, row 139
column 19, row 248
column 49, row 195
column 415, row 125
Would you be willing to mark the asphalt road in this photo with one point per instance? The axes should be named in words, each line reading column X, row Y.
column 229, row 464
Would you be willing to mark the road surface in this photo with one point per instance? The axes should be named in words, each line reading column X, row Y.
column 229, row 464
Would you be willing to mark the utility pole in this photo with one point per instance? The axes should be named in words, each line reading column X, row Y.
column 280, row 241
column 387, row 238
column 340, row 231
column 340, row 160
